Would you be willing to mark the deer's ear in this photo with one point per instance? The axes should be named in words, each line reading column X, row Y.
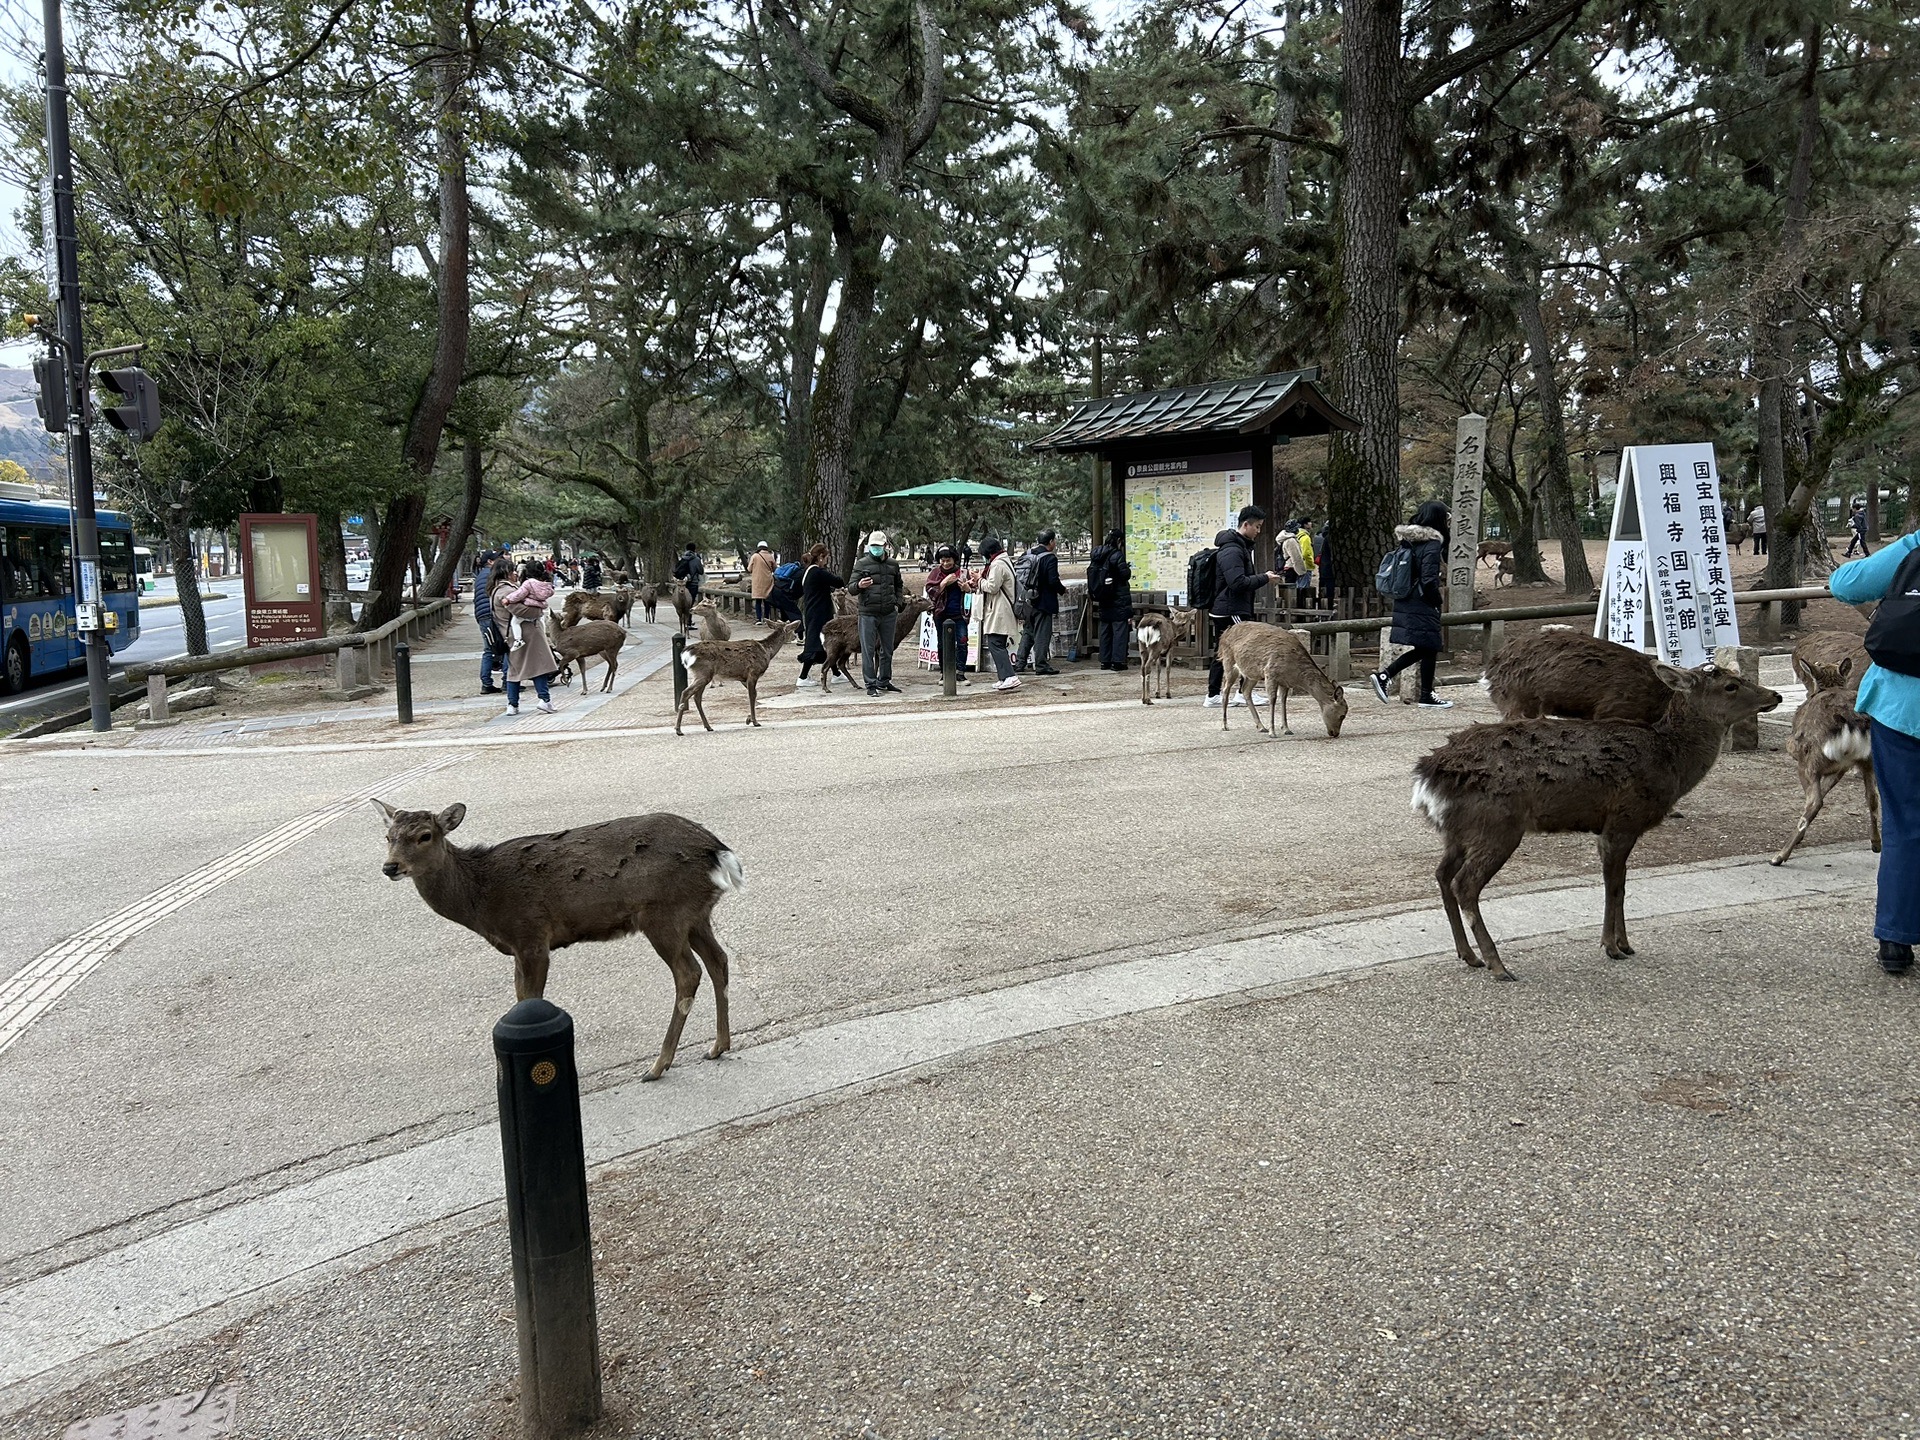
column 1844, row 668
column 386, row 810
column 451, row 817
column 1672, row 678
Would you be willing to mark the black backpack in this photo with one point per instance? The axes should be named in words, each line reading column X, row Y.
column 1893, row 637
column 1203, row 572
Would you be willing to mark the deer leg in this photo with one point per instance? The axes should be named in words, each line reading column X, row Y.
column 1477, row 869
column 1276, row 692
column 1816, row 800
column 1873, row 802
column 686, row 984
column 1614, row 850
column 1449, row 867
column 1228, row 684
column 530, row 974
column 699, row 693
column 714, row 957
column 613, row 668
column 753, row 699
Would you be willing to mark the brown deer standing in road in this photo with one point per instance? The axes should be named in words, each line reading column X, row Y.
column 658, row 874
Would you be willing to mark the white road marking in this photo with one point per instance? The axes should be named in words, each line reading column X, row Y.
column 35, row 987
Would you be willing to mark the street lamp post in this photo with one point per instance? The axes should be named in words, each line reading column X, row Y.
column 72, row 356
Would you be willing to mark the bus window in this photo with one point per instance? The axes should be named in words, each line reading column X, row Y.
column 39, row 563
column 116, row 563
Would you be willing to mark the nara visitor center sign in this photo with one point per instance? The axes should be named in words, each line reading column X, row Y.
column 1667, row 564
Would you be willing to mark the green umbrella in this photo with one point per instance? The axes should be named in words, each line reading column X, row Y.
column 954, row 491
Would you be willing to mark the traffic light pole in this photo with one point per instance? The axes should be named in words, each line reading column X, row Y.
column 73, row 356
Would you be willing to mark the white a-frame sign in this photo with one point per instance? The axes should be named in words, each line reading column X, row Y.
column 1667, row 557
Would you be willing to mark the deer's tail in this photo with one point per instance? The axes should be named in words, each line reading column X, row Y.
column 727, row 874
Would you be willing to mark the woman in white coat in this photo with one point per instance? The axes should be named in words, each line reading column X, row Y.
column 998, row 622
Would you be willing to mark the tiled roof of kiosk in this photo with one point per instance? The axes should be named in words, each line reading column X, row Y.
column 1290, row 403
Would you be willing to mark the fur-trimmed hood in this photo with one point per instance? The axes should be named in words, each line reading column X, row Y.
column 1415, row 534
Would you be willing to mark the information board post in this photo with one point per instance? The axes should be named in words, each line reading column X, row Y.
column 1469, row 476
column 1666, row 557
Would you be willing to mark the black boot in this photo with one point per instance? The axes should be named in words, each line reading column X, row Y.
column 1895, row 958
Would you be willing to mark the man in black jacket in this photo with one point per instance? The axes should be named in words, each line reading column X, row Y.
column 690, row 570
column 1044, row 590
column 1235, row 582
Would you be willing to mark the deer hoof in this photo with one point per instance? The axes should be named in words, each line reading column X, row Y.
column 1473, row 961
column 653, row 1074
column 1504, row 974
column 1781, row 859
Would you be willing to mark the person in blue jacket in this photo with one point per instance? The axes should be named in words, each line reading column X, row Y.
column 1891, row 702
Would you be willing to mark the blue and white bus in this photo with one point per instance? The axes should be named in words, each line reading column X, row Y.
column 37, row 619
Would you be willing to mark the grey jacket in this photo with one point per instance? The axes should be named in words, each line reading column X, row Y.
column 886, row 594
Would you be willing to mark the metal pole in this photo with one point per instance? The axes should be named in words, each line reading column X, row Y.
column 403, row 680
column 72, row 356
column 679, row 669
column 547, row 1224
column 949, row 662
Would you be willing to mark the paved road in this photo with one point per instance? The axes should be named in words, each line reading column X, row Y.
column 162, row 634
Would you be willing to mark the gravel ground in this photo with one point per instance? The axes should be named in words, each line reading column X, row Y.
column 1669, row 1196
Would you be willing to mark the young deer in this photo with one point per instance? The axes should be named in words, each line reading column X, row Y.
column 659, row 874
column 713, row 625
column 1254, row 657
column 1156, row 635
column 1490, row 786
column 742, row 660
column 840, row 637
column 649, row 597
column 683, row 606
column 587, row 640
column 1829, row 660
column 582, row 605
column 1830, row 739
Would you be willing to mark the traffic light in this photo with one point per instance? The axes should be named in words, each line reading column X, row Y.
column 50, row 380
column 140, row 418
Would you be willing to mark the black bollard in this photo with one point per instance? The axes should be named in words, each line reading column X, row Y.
column 403, row 681
column 949, row 661
column 547, row 1219
column 679, row 669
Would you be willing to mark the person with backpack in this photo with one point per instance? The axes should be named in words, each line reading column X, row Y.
column 590, row 575
column 1889, row 697
column 1224, row 581
column 1303, row 532
column 1857, row 522
column 875, row 582
column 1040, row 590
column 493, row 645
column 998, row 622
column 1409, row 576
column 784, row 598
column 760, row 578
column 689, row 569
column 1110, row 591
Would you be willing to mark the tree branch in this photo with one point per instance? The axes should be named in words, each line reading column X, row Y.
column 1424, row 79
column 837, row 93
column 933, row 80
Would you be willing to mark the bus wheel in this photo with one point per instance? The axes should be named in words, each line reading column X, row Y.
column 15, row 679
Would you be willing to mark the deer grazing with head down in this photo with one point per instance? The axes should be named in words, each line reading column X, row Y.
column 658, row 874
column 1490, row 786
column 1255, row 656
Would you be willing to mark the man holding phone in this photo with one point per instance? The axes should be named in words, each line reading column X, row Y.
column 877, row 587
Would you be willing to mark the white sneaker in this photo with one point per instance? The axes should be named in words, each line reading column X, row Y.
column 1213, row 702
column 546, row 707
column 1258, row 699
column 1012, row 682
column 512, row 710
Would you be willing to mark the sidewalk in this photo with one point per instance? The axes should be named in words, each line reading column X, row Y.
column 1320, row 1183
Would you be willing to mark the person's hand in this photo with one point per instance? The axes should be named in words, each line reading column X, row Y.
column 866, row 581
column 1274, row 576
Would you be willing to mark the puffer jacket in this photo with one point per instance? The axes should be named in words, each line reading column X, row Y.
column 1416, row 619
column 1115, row 597
column 886, row 595
column 1235, row 581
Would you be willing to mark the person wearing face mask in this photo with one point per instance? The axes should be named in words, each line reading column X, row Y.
column 876, row 585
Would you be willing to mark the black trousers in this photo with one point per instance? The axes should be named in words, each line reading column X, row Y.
column 1216, row 673
column 1425, row 659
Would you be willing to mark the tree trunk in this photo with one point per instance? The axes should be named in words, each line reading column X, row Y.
column 186, row 581
column 1578, row 579
column 1873, row 507
column 333, row 572
column 1363, row 470
column 1787, row 514
column 472, row 470
column 421, row 448
column 830, row 421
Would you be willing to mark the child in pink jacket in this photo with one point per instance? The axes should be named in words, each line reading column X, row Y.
column 533, row 589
